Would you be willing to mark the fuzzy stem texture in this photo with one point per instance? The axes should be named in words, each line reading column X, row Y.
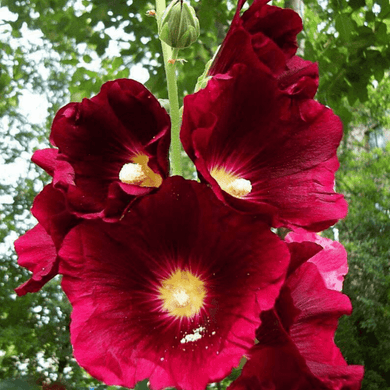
column 170, row 71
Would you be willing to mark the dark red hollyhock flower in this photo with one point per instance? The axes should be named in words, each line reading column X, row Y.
column 111, row 148
column 266, row 150
column 263, row 34
column 296, row 350
column 173, row 291
column 38, row 248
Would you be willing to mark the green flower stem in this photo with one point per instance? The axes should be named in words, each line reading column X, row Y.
column 170, row 71
column 175, row 152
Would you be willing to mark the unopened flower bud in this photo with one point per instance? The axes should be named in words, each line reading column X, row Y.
column 179, row 26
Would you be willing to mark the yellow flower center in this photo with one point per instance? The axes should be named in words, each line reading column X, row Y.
column 182, row 294
column 138, row 172
column 232, row 184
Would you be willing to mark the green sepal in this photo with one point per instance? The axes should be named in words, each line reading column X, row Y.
column 203, row 79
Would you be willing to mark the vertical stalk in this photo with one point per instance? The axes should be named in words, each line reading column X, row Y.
column 170, row 71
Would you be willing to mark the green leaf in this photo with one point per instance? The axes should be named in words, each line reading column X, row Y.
column 355, row 4
column 385, row 7
column 370, row 16
column 344, row 113
column 379, row 74
column 344, row 26
column 87, row 58
column 381, row 32
column 118, row 61
column 143, row 385
column 361, row 92
column 72, row 61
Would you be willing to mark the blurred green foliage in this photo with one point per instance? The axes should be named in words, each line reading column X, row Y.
column 84, row 43
column 350, row 42
column 364, row 337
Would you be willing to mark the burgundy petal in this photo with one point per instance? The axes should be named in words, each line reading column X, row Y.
column 331, row 262
column 38, row 248
column 264, row 34
column 97, row 137
column 113, row 275
column 46, row 159
column 284, row 145
column 300, row 79
column 275, row 363
column 49, row 208
column 314, row 328
column 296, row 348
column 38, row 254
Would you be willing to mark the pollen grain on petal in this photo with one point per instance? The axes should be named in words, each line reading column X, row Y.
column 194, row 336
